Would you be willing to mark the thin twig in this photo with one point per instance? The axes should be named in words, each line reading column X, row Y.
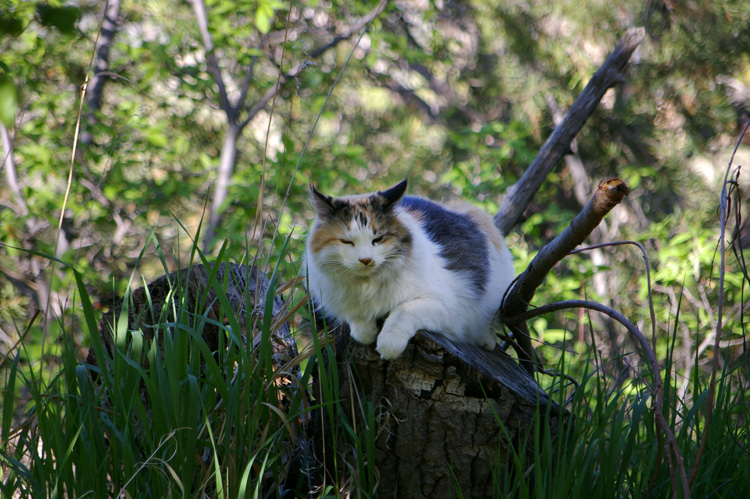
column 720, row 313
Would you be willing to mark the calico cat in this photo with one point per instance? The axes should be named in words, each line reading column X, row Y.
column 415, row 263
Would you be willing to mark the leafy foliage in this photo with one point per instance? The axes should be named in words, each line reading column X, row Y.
column 456, row 96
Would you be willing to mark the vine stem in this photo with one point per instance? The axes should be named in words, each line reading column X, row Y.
column 723, row 208
column 675, row 457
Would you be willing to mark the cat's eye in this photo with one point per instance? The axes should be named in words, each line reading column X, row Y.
column 346, row 241
column 378, row 240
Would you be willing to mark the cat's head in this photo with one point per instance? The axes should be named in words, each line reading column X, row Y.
column 359, row 234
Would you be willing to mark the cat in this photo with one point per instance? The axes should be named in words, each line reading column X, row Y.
column 411, row 262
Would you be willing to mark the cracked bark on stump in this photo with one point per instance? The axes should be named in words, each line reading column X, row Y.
column 437, row 408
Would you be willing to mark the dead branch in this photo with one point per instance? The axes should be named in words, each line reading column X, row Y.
column 518, row 298
column 519, row 195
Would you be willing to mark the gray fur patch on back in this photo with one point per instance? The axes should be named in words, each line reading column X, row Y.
column 462, row 243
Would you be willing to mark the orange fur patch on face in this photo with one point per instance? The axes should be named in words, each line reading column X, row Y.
column 323, row 236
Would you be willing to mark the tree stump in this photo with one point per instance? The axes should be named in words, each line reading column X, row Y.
column 440, row 409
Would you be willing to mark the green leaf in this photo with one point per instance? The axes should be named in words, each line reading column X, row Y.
column 62, row 18
column 264, row 15
column 8, row 100
column 157, row 138
column 10, row 25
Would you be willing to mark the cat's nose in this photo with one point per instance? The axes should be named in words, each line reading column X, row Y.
column 365, row 261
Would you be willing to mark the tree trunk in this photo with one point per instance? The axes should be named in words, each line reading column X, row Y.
column 223, row 179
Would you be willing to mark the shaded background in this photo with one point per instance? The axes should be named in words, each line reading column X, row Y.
column 197, row 113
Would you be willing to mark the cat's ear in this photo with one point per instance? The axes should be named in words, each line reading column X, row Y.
column 323, row 203
column 394, row 194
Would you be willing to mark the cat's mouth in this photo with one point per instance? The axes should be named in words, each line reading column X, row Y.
column 364, row 269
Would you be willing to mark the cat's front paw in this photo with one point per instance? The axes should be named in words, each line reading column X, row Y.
column 391, row 346
column 364, row 332
column 488, row 342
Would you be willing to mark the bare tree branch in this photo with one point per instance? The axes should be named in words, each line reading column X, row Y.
column 409, row 95
column 10, row 172
column 520, row 194
column 101, row 66
column 201, row 15
column 263, row 101
column 444, row 89
column 350, row 31
column 608, row 194
column 246, row 83
column 299, row 67
column 581, row 179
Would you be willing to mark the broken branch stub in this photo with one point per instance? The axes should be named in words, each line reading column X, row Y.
column 607, row 195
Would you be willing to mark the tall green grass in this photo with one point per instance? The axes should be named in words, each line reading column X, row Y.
column 172, row 418
column 192, row 423
column 610, row 448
